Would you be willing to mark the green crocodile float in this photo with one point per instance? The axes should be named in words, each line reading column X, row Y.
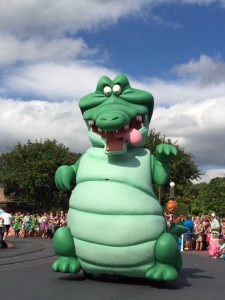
column 115, row 221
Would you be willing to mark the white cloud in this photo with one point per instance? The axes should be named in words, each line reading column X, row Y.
column 56, row 17
column 200, row 2
column 21, row 120
column 203, row 2
column 204, row 64
column 36, row 49
column 62, row 81
column 54, row 81
column 56, row 65
column 39, row 31
column 207, row 70
column 210, row 174
column 205, row 80
column 184, row 111
column 198, row 127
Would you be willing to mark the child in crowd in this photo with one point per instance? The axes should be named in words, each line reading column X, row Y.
column 222, row 248
column 223, row 228
column 214, row 245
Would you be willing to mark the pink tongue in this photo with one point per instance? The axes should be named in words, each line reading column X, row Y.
column 131, row 135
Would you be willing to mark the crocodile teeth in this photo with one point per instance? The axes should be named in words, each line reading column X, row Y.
column 139, row 118
column 99, row 130
column 90, row 122
column 126, row 127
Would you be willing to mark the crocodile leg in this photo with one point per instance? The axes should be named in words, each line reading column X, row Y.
column 168, row 259
column 65, row 250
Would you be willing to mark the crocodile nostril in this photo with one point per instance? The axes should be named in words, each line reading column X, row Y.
column 110, row 119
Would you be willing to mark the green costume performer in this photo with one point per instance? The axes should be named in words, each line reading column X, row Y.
column 115, row 221
column 34, row 224
column 17, row 223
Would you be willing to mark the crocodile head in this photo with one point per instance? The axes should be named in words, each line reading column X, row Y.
column 117, row 115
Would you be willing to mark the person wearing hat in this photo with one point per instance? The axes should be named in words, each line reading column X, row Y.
column 215, row 225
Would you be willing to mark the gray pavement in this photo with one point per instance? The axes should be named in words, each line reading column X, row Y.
column 25, row 249
column 20, row 278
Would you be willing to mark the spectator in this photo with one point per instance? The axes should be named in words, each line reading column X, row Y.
column 215, row 225
column 43, row 225
column 7, row 220
column 50, row 230
column 222, row 248
column 62, row 220
column 207, row 233
column 199, row 233
column 27, row 224
column 2, row 231
column 223, row 228
column 214, row 245
column 34, row 225
column 188, row 223
column 56, row 221
column 16, row 224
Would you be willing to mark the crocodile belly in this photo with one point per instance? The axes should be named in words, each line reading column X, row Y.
column 114, row 224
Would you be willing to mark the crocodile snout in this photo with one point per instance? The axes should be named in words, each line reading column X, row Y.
column 111, row 121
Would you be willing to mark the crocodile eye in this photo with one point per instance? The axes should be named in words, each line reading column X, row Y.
column 107, row 90
column 117, row 89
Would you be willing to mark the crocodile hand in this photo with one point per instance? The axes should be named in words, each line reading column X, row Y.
column 165, row 152
column 65, row 176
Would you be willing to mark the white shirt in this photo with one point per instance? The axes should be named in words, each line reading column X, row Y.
column 215, row 224
column 7, row 218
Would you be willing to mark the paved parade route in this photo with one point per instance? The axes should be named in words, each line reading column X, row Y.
column 21, row 278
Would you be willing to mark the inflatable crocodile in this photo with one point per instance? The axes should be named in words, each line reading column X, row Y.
column 115, row 221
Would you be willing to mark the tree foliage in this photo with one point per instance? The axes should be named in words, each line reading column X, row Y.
column 209, row 197
column 28, row 173
column 183, row 168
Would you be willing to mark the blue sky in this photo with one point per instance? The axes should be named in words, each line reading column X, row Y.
column 167, row 36
column 53, row 52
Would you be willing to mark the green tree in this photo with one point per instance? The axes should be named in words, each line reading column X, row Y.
column 209, row 197
column 28, row 173
column 183, row 168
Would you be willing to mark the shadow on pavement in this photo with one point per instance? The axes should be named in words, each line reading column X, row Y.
column 181, row 282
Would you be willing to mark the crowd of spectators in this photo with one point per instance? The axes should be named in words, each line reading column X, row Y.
column 31, row 225
column 204, row 233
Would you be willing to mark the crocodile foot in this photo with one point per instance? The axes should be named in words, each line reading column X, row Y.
column 162, row 272
column 66, row 265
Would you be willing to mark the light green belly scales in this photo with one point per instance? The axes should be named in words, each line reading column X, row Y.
column 114, row 216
